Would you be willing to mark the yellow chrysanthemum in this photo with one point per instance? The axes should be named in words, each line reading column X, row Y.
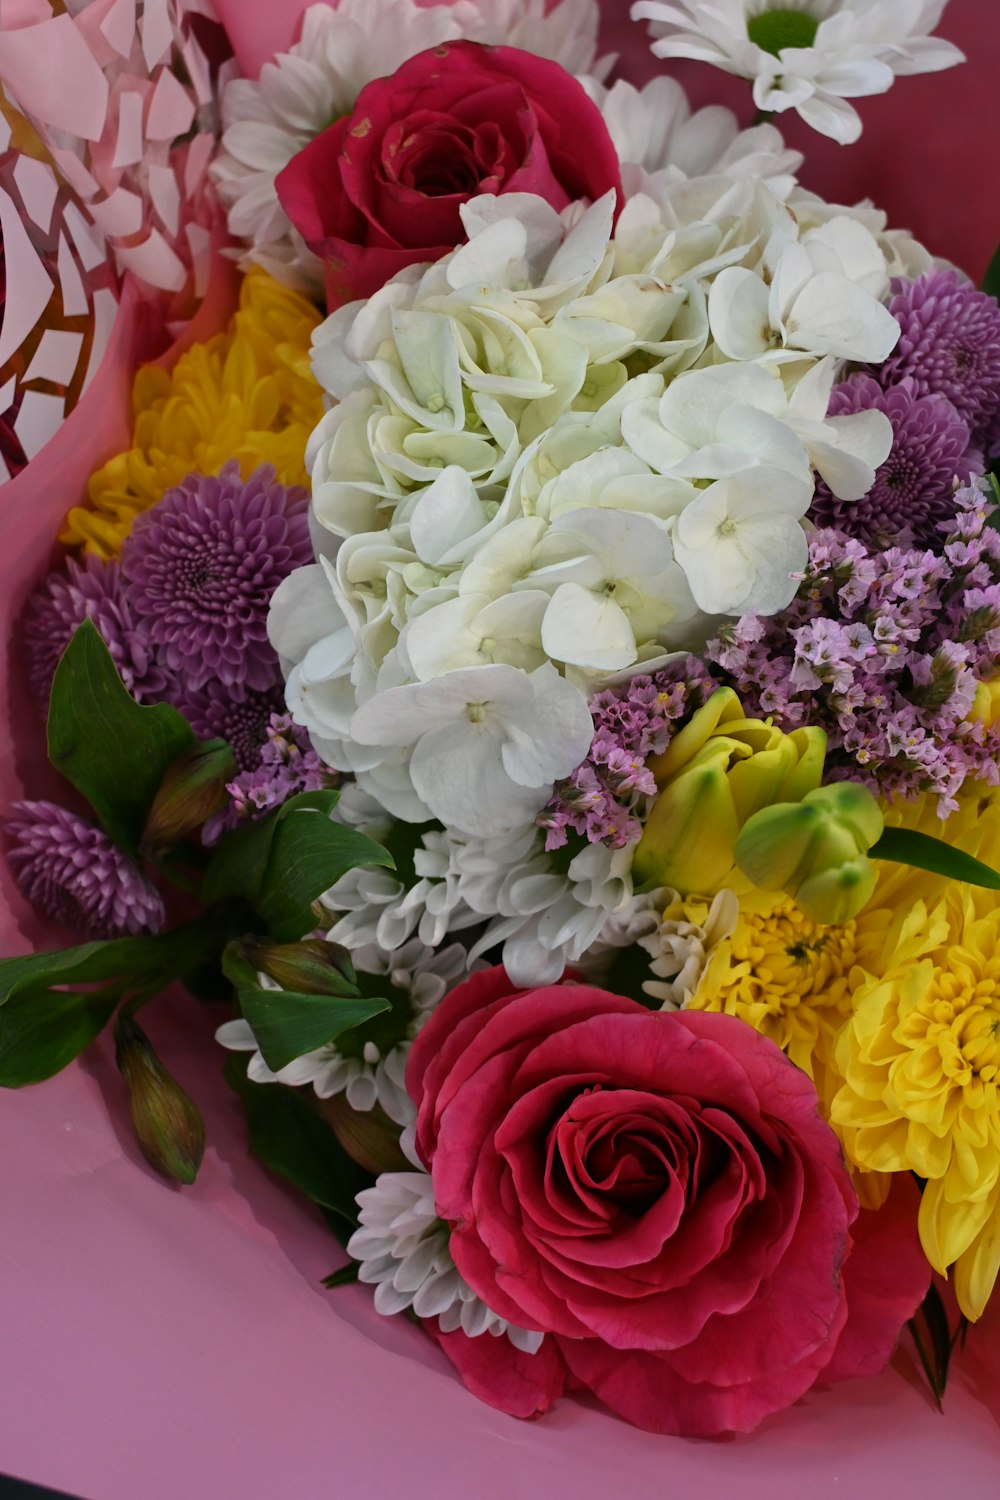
column 248, row 393
column 920, row 1059
column 790, row 979
column 799, row 983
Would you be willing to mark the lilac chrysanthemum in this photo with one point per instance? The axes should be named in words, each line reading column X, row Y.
column 199, row 569
column 72, row 871
column 949, row 345
column 87, row 590
column 237, row 715
column 914, row 490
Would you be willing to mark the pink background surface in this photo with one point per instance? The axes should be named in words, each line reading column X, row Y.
column 160, row 1343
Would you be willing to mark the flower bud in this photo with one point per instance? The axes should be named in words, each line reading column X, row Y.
column 311, row 967
column 166, row 1121
column 718, row 771
column 369, row 1137
column 815, row 850
column 193, row 788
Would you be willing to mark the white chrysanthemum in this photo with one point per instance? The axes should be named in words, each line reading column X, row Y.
column 343, row 47
column 540, row 918
column 403, row 1250
column 660, row 141
column 807, row 55
column 682, row 944
column 368, row 1072
column 375, row 906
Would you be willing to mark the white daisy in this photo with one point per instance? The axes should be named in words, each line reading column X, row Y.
column 403, row 1249
column 661, row 142
column 807, row 55
column 343, row 47
column 368, row 1072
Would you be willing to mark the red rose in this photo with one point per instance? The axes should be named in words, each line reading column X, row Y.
column 381, row 188
column 658, row 1193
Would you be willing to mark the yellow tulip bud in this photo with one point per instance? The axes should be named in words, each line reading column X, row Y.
column 718, row 771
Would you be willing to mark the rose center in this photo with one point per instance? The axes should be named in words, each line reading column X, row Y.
column 773, row 30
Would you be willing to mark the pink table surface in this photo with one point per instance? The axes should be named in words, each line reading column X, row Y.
column 158, row 1344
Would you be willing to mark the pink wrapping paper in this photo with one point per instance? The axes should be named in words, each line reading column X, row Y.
column 170, row 1343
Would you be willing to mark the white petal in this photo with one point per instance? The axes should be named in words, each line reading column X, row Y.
column 587, row 630
column 738, row 313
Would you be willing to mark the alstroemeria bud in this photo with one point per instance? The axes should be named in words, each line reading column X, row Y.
column 718, row 771
column 311, row 967
column 168, row 1125
column 193, row 788
column 369, row 1137
column 815, row 850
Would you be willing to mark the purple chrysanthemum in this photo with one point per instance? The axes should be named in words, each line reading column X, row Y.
column 87, row 590
column 72, row 871
column 238, row 715
column 199, row 570
column 949, row 345
column 914, row 490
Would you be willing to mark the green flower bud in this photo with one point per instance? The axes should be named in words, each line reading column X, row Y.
column 167, row 1123
column 311, row 967
column 193, row 788
column 815, row 850
column 369, row 1137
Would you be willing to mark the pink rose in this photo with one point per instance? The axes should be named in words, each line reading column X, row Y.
column 658, row 1193
column 381, row 188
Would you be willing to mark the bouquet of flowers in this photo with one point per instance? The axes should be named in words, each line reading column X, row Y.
column 536, row 661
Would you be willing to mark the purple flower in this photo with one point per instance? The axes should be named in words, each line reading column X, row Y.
column 914, row 490
column 72, row 871
column 199, row 570
column 949, row 346
column 90, row 590
column 884, row 648
column 238, row 715
column 285, row 765
column 604, row 799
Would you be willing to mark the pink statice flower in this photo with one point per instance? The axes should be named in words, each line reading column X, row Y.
column 884, row 650
column 605, row 798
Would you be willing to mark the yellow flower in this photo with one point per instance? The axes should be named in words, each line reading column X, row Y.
column 248, row 393
column 790, row 979
column 718, row 771
column 920, row 1059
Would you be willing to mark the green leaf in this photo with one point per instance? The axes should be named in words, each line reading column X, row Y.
column 46, row 1018
column 288, row 1024
column 41, row 1033
column 923, row 852
column 288, row 859
column 991, row 281
column 344, row 1277
column 288, row 1136
column 309, row 854
column 112, row 750
column 934, row 1341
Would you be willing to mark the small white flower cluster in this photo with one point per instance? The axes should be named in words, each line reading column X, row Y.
column 807, row 55
column 375, row 1076
column 402, row 1246
column 343, row 47
column 539, row 918
column 558, row 456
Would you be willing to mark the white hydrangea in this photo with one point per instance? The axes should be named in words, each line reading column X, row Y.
column 559, row 455
column 420, row 977
column 403, row 1250
column 343, row 47
column 807, row 55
